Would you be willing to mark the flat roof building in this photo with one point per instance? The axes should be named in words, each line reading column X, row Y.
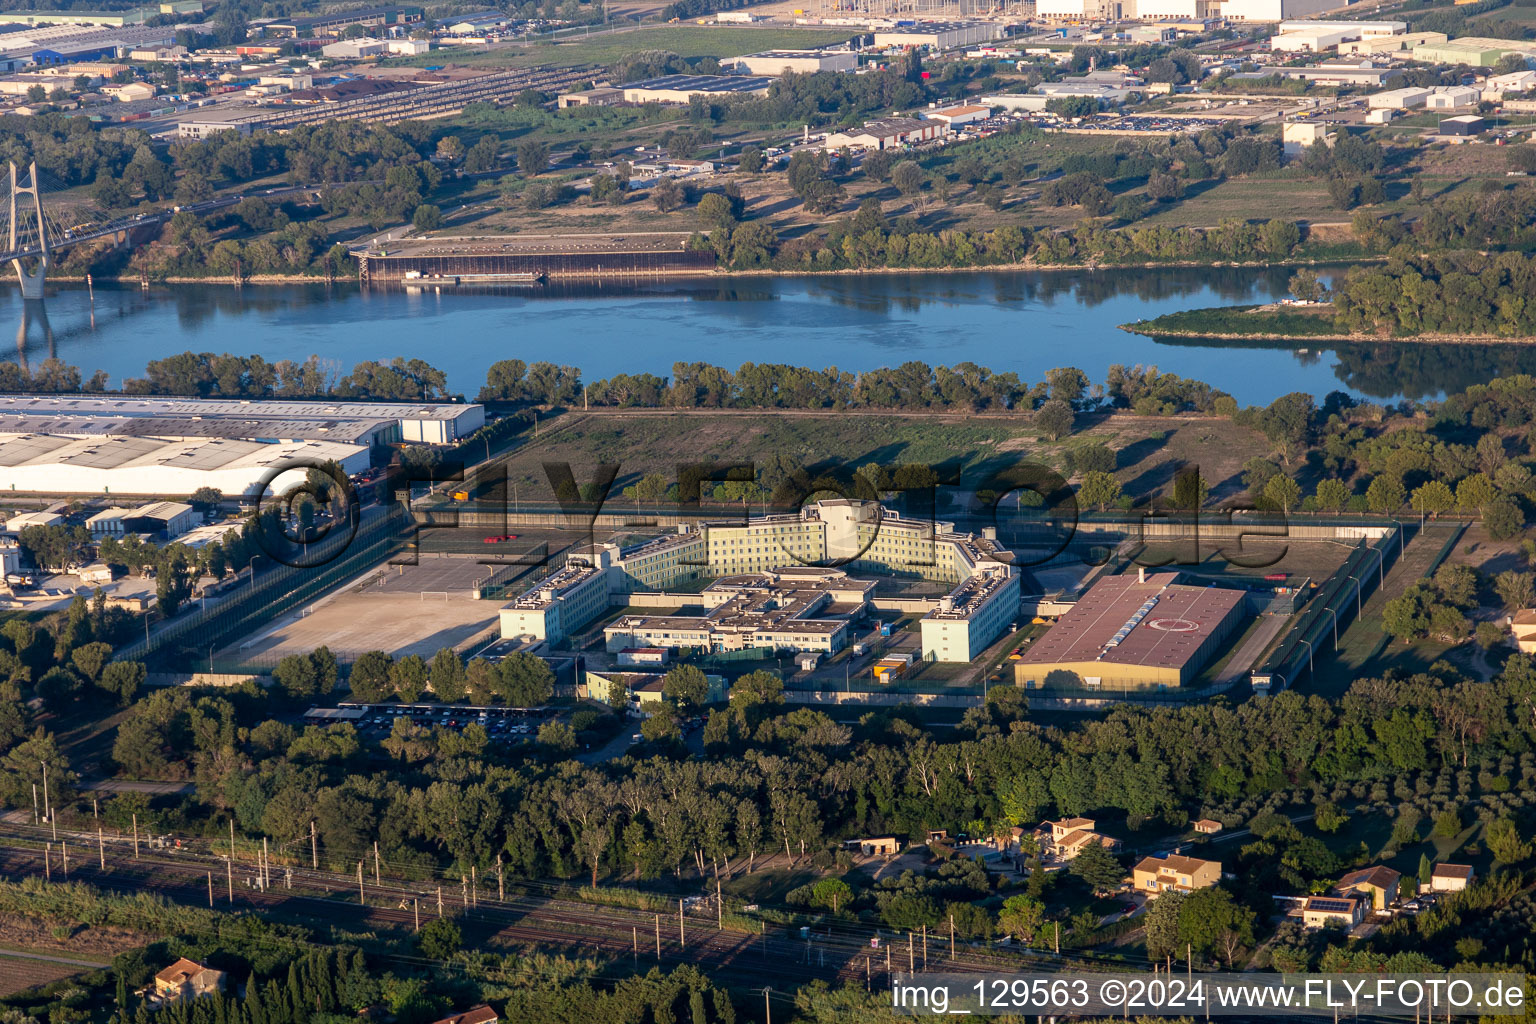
column 679, row 88
column 1450, row 97
column 602, row 96
column 849, row 534
column 1465, row 125
column 939, row 35
column 51, row 464
column 888, row 133
column 571, row 597
column 1272, row 10
column 798, row 608
column 1398, row 99
column 1131, row 632
column 1474, row 51
column 957, row 116
column 780, row 62
column 245, row 419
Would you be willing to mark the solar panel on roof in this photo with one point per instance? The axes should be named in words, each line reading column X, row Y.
column 1332, row 906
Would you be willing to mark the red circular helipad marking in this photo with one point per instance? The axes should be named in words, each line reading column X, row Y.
column 1174, row 625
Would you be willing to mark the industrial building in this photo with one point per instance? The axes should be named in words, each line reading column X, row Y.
column 1273, row 10
column 335, row 24
column 1399, row 99
column 52, row 464
column 1296, row 136
column 939, row 35
column 358, row 423
column 1391, row 44
column 602, row 96
column 797, row 608
column 804, row 62
column 354, row 49
column 1474, row 51
column 887, row 133
column 957, row 116
column 681, row 88
column 164, row 519
column 852, row 535
column 1130, row 632
column 1449, row 97
column 1465, row 125
column 1362, row 73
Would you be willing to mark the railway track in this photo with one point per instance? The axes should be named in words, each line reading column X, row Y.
column 530, row 914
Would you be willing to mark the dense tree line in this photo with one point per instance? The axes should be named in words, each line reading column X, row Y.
column 206, row 375
column 1449, row 293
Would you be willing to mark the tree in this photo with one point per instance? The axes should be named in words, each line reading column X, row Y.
column 1099, row 489
column 907, row 177
column 1164, row 188
column 439, row 939
column 751, row 160
column 666, row 195
column 1332, row 495
column 408, row 677
column 427, row 217
column 1098, row 867
column 1516, row 589
column 206, row 499
column 122, row 679
column 1022, row 918
column 295, row 674
column 1307, row 286
column 1054, row 419
column 369, row 678
column 1504, row 842
column 1385, row 494
column 686, row 686
column 1162, row 924
column 447, row 675
column 525, row 680
column 1432, row 498
column 715, row 213
column 1282, row 491
column 532, row 157
column 831, row 892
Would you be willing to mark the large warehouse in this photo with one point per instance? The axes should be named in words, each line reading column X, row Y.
column 1129, row 632
column 804, row 62
column 53, row 464
column 939, row 35
column 363, row 423
column 680, row 88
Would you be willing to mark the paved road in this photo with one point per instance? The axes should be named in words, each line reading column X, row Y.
column 52, row 959
column 134, row 786
column 1245, row 657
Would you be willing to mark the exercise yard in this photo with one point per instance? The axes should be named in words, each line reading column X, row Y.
column 409, row 609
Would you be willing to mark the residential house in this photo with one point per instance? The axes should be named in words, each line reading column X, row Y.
column 1523, row 625
column 476, row 1015
column 1065, row 839
column 1323, row 911
column 886, row 846
column 1450, row 877
column 1174, row 873
column 186, row 979
column 1379, row 884
column 1207, row 827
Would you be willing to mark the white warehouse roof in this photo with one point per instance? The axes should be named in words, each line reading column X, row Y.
column 50, row 464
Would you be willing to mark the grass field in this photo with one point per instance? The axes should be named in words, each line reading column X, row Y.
column 607, row 48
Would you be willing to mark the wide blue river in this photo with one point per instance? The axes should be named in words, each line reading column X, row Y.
column 1020, row 321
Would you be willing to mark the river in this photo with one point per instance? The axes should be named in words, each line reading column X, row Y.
column 1026, row 322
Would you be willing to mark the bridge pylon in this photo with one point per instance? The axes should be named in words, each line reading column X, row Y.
column 31, row 280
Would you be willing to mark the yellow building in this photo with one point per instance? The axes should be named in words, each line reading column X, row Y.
column 1154, row 875
column 1378, row 884
column 1326, row 911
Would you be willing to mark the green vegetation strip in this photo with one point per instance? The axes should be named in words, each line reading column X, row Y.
column 1239, row 322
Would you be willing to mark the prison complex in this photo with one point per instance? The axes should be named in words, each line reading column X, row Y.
column 771, row 555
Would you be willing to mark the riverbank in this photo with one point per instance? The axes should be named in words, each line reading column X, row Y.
column 1293, row 323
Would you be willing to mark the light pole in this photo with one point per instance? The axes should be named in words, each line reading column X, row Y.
column 1357, row 594
column 1309, row 655
column 1335, row 615
column 252, row 566
column 47, row 804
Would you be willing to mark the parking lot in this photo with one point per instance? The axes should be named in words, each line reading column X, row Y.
column 500, row 723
